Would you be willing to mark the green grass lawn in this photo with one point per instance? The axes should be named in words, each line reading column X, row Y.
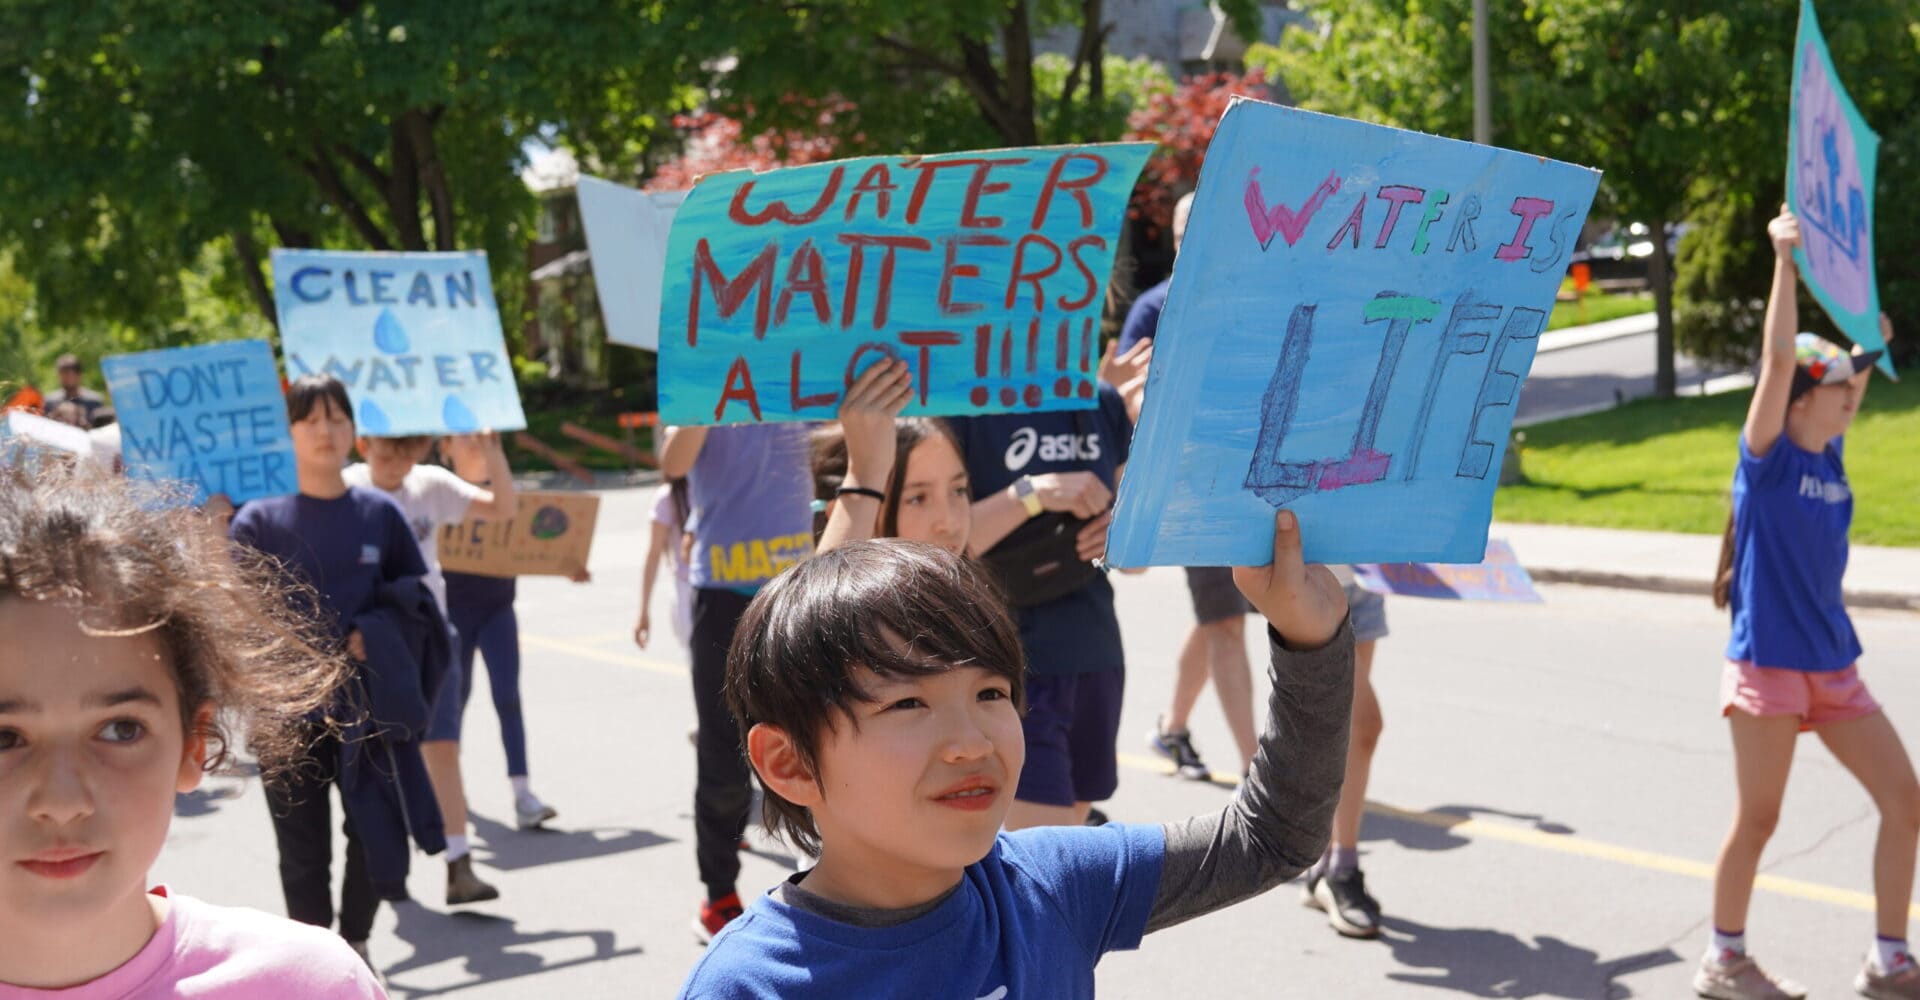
column 1599, row 308
column 1665, row 465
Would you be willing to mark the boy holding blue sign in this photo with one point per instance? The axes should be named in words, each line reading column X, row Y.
column 898, row 760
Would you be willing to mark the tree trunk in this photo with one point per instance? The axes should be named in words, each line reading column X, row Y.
column 1660, row 272
column 247, row 253
column 1016, row 38
column 433, row 177
column 403, row 183
column 324, row 174
column 1096, row 71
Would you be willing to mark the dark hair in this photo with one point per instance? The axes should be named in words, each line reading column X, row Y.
column 830, row 463
column 900, row 609
column 306, row 392
column 1723, row 572
column 128, row 558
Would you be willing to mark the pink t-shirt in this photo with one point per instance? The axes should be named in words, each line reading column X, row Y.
column 207, row 952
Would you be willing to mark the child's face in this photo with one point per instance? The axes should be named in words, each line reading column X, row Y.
column 390, row 459
column 92, row 751
column 1826, row 411
column 926, row 778
column 324, row 437
column 936, row 502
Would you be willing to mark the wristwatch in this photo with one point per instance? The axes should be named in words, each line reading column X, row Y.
column 1023, row 491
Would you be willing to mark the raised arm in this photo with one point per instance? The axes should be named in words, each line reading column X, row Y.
column 1767, row 414
column 1279, row 823
column 483, row 450
column 867, row 421
column 681, row 450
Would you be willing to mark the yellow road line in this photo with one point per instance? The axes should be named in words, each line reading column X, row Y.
column 1464, row 826
column 619, row 659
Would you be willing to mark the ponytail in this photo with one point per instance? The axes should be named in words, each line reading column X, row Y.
column 1723, row 574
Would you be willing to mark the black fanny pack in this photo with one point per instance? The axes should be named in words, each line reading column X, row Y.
column 1040, row 561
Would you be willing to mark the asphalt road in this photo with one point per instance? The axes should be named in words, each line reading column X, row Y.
column 1595, row 376
column 1551, row 789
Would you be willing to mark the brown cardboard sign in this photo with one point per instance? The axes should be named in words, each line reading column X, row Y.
column 550, row 535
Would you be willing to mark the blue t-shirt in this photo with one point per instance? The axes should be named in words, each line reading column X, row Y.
column 1143, row 318
column 345, row 548
column 1791, row 512
column 1028, row 922
column 751, row 491
column 1078, row 633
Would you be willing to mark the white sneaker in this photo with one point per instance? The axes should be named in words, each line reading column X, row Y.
column 529, row 813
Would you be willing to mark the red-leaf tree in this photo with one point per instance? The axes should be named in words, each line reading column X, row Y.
column 1181, row 124
column 715, row 143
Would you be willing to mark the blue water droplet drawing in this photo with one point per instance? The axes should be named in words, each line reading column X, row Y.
column 388, row 335
column 373, row 419
column 457, row 417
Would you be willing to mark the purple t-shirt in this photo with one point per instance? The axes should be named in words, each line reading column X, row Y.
column 346, row 548
column 204, row 952
column 751, row 491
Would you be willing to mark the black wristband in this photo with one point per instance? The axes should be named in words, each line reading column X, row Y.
column 860, row 491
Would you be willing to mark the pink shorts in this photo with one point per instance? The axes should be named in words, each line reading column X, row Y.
column 1817, row 698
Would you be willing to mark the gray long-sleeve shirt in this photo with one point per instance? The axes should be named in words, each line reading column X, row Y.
column 1273, row 830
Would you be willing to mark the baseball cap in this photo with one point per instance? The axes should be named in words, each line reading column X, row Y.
column 66, row 361
column 1819, row 361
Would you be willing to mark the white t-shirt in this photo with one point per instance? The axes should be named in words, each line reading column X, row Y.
column 430, row 497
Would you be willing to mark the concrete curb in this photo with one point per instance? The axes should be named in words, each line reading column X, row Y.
column 1881, row 600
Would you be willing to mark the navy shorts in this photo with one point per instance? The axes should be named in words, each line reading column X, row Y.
column 1071, row 725
column 1215, row 597
column 451, row 703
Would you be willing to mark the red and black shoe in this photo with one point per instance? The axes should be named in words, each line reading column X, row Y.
column 715, row 914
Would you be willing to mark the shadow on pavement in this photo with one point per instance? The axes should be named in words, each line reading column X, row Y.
column 488, row 948
column 1433, row 830
column 205, row 800
column 1487, row 963
column 509, row 849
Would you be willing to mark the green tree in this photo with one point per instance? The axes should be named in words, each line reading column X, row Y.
column 930, row 76
column 1726, row 263
column 1683, row 105
column 137, row 132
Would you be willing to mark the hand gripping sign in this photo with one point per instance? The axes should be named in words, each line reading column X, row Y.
column 1352, row 314
column 986, row 272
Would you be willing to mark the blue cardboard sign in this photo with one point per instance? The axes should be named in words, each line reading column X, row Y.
column 211, row 416
column 1351, row 317
column 1499, row 577
column 986, row 272
column 1831, row 158
column 415, row 337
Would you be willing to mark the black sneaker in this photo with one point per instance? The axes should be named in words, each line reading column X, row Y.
column 1178, row 748
column 1343, row 897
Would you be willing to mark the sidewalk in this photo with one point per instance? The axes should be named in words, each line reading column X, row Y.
column 1877, row 577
